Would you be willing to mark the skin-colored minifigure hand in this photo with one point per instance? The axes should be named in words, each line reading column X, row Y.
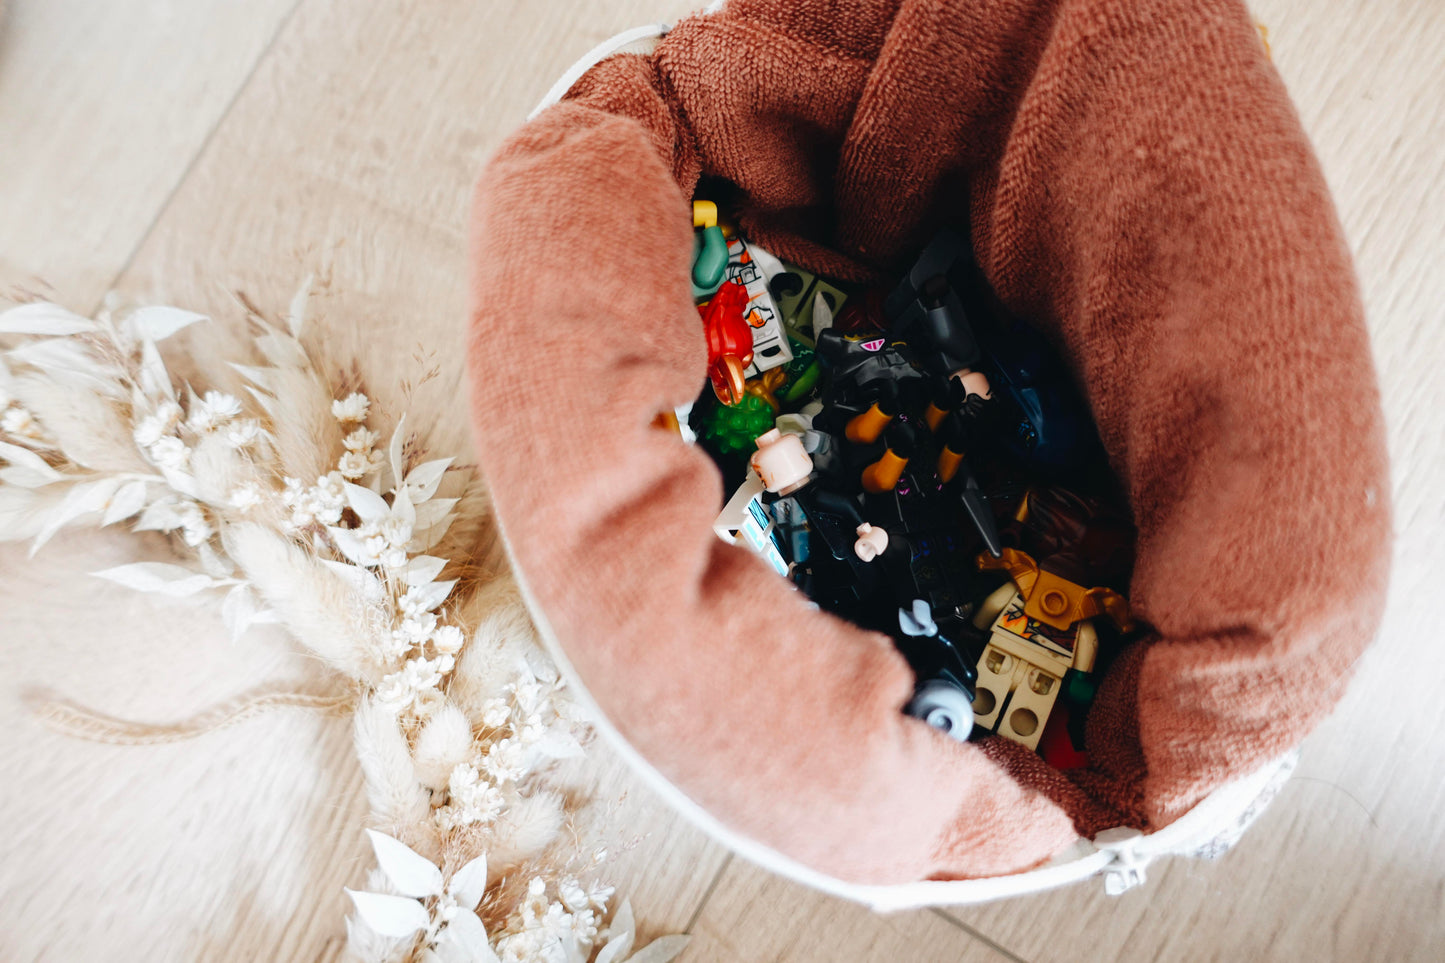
column 871, row 543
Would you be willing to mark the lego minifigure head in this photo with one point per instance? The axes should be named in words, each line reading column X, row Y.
column 781, row 462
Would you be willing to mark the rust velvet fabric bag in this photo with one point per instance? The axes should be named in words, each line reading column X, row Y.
column 1136, row 185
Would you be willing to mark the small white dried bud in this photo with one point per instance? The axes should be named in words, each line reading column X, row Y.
column 246, row 496
column 243, row 433
column 20, row 423
column 354, row 465
column 351, row 409
column 360, row 440
column 170, row 452
column 393, row 558
column 213, row 411
column 448, row 640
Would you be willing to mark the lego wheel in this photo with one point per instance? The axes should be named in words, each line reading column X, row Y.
column 944, row 706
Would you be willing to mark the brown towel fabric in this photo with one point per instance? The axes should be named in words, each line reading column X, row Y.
column 1137, row 185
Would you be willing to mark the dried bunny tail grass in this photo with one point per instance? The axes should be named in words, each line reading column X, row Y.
column 218, row 469
column 527, row 826
column 85, row 426
column 443, row 743
column 504, row 641
column 319, row 607
column 399, row 804
column 305, row 435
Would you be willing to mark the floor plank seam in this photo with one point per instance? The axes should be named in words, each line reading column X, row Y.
column 707, row 894
column 996, row 947
column 190, row 168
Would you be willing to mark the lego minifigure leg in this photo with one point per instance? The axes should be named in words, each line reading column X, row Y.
column 998, row 674
column 1033, row 700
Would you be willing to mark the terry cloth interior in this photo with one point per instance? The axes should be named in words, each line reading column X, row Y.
column 1137, row 186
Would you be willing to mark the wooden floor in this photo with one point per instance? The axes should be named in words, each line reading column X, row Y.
column 181, row 150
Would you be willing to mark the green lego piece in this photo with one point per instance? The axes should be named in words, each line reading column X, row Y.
column 796, row 303
column 732, row 429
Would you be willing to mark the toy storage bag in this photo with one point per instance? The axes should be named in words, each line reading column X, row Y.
column 1136, row 185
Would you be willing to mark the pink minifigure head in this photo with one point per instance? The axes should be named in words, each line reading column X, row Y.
column 781, row 462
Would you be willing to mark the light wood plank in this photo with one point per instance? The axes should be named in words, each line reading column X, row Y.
column 103, row 106
column 754, row 916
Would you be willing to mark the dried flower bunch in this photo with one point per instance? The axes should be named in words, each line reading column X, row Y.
column 286, row 506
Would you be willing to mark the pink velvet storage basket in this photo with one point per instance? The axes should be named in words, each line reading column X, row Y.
column 1135, row 184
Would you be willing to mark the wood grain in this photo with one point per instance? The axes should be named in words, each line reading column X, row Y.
column 103, row 106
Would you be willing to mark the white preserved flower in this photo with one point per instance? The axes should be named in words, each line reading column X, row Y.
column 505, row 761
column 195, row 527
column 351, row 409
column 393, row 559
column 354, row 465
column 448, row 639
column 213, row 411
column 243, row 433
column 246, row 496
column 496, row 713
column 20, row 423
column 171, row 452
column 417, row 629
column 396, row 531
column 394, row 695
column 149, row 430
column 360, row 440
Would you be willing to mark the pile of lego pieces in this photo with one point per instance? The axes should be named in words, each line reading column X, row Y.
column 918, row 462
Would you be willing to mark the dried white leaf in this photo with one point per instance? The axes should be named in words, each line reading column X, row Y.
column 621, row 934
column 433, row 513
column 161, row 516
column 282, row 350
column 154, row 379
column 29, row 460
column 411, row 873
column 158, row 322
column 349, row 544
column 664, row 949
column 434, row 594
column 423, row 568
column 422, row 481
column 268, row 404
column 43, row 317
column 296, row 314
column 393, row 450
column 160, row 577
column 181, row 481
column 370, row 507
column 466, row 934
column 402, row 508
column 239, row 611
column 23, row 512
column 469, row 884
column 130, row 499
column 367, row 585
column 389, row 915
column 260, row 377
column 72, row 364
column 82, row 499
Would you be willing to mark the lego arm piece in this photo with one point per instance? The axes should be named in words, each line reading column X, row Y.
column 993, row 605
column 1108, row 602
column 1020, row 566
column 1086, row 647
